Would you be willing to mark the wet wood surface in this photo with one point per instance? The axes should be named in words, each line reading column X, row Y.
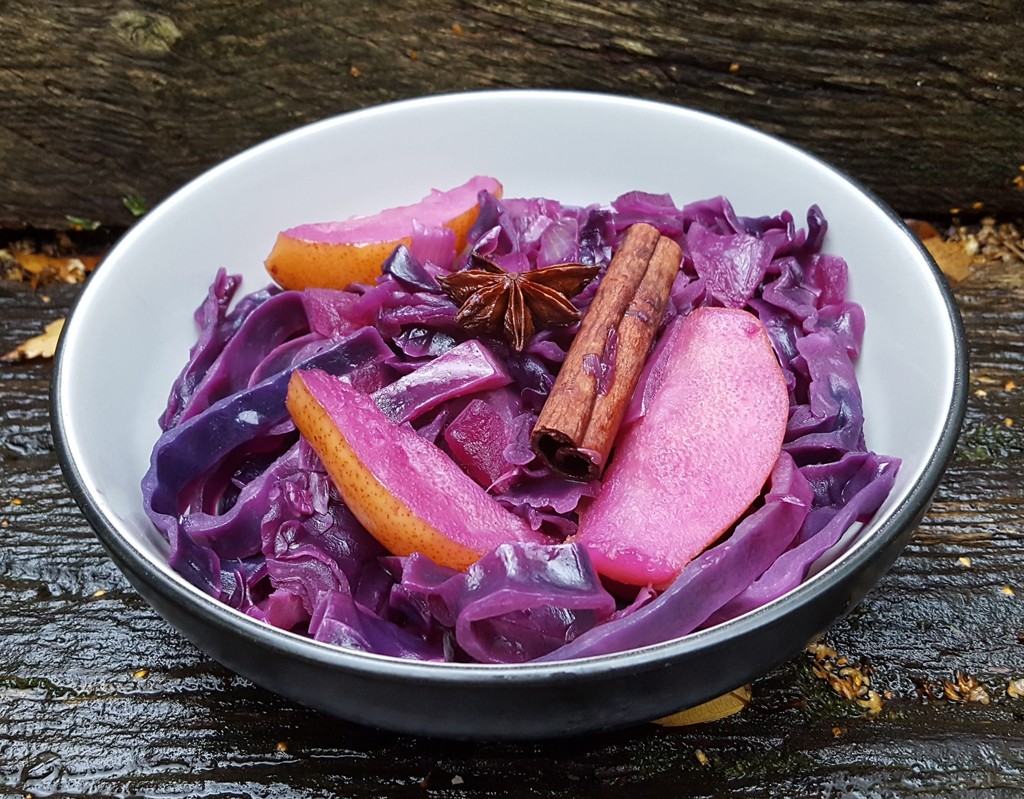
column 98, row 697
column 921, row 101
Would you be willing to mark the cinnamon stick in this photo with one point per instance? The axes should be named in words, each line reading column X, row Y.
column 581, row 417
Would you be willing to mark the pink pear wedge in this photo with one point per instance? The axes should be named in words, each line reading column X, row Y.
column 716, row 408
column 334, row 255
column 403, row 489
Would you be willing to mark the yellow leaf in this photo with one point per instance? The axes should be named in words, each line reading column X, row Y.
column 41, row 346
column 718, row 708
column 952, row 258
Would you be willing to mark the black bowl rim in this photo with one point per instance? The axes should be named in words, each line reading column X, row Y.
column 233, row 623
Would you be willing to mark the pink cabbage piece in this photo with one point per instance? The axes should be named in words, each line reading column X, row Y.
column 217, row 326
column 463, row 370
column 477, row 439
column 517, row 603
column 273, row 323
column 845, row 493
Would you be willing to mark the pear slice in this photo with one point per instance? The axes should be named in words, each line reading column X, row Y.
column 403, row 489
column 715, row 415
column 333, row 255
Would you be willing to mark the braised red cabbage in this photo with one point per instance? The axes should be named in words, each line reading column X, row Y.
column 252, row 518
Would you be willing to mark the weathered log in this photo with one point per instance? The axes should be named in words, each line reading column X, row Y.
column 920, row 102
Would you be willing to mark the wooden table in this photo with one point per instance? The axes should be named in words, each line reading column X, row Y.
column 923, row 103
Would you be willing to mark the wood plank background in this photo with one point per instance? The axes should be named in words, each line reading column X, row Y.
column 919, row 99
column 922, row 100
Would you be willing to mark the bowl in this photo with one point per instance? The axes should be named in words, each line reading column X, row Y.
column 129, row 333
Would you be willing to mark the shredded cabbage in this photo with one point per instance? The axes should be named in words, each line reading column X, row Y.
column 252, row 518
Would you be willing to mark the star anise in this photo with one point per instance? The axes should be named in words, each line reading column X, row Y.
column 516, row 304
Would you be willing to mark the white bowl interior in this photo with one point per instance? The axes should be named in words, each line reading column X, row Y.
column 130, row 334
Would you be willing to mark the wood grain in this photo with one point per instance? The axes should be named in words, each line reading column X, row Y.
column 99, row 697
column 921, row 101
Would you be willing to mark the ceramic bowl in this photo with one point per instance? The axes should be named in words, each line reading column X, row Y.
column 132, row 327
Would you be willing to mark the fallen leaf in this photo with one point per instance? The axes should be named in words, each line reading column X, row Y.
column 923, row 230
column 951, row 256
column 718, row 708
column 41, row 346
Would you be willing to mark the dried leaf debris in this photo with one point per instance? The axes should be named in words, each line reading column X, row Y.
column 42, row 346
column 851, row 681
column 965, row 688
column 41, row 261
column 990, row 240
column 960, row 249
column 25, row 262
column 962, row 689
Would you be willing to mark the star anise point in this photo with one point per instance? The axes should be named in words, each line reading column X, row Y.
column 516, row 304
